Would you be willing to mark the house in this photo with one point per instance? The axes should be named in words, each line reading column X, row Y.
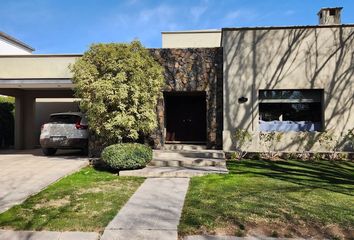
column 291, row 86
column 12, row 46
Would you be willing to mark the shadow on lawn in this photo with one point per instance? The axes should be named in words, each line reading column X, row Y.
column 103, row 167
column 332, row 176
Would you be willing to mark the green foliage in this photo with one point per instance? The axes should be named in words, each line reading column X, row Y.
column 269, row 141
column 243, row 138
column 119, row 85
column 349, row 138
column 328, row 140
column 127, row 156
column 7, row 121
column 6, row 99
column 317, row 156
column 270, row 137
column 234, row 156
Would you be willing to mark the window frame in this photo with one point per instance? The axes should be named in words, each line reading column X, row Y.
column 319, row 98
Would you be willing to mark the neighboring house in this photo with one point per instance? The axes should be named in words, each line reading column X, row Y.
column 11, row 46
column 296, row 81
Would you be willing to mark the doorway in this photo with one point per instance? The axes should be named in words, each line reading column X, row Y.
column 185, row 117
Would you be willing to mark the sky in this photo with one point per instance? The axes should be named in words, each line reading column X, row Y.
column 71, row 26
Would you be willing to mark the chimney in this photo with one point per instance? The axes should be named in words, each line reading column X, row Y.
column 330, row 16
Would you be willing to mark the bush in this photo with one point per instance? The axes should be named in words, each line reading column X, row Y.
column 127, row 156
column 119, row 85
column 7, row 121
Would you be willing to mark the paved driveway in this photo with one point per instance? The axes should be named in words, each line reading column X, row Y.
column 23, row 173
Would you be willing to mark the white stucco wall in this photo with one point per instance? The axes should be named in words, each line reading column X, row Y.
column 191, row 39
column 8, row 48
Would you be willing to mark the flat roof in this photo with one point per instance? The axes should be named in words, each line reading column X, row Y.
column 42, row 55
column 16, row 41
column 288, row 27
column 193, row 31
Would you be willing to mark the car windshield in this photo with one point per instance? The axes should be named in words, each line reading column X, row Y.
column 68, row 119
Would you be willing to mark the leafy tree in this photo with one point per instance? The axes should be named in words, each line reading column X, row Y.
column 7, row 121
column 119, row 85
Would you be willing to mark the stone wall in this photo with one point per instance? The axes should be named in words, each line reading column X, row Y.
column 193, row 70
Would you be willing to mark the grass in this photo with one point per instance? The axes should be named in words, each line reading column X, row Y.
column 84, row 201
column 273, row 198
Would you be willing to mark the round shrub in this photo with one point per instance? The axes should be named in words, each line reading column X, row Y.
column 127, row 156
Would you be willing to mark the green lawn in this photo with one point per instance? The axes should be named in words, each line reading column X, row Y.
column 84, row 201
column 274, row 198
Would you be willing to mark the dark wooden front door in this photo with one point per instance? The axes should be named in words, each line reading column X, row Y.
column 186, row 117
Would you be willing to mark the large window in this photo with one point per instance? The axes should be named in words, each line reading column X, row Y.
column 290, row 110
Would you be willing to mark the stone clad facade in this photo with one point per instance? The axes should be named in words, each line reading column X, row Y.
column 193, row 70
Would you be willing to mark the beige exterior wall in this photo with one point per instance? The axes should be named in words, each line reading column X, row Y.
column 191, row 39
column 36, row 66
column 288, row 58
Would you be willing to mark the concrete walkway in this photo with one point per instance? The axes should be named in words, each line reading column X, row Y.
column 152, row 213
column 46, row 235
column 24, row 173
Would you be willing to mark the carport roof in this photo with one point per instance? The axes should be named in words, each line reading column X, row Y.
column 37, row 66
column 36, row 71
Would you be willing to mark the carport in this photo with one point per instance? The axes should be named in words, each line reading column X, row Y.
column 28, row 77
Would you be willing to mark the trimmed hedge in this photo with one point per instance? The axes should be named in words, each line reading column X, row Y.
column 127, row 156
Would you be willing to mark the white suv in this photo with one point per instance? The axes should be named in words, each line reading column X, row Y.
column 64, row 131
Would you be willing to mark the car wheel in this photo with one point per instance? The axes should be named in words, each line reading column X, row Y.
column 49, row 151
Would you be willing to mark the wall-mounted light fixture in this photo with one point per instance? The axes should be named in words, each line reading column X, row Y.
column 242, row 100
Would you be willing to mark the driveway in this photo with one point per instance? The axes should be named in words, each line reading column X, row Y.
column 24, row 173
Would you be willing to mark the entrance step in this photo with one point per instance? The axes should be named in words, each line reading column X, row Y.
column 187, row 162
column 182, row 163
column 184, row 147
column 170, row 154
column 174, row 172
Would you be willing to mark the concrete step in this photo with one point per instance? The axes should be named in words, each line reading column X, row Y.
column 187, row 162
column 184, row 147
column 175, row 172
column 169, row 154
